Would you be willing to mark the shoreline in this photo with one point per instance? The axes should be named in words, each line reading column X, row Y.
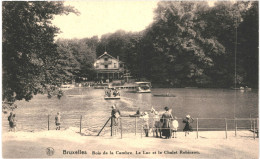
column 210, row 144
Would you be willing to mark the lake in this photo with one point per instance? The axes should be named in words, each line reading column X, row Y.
column 90, row 103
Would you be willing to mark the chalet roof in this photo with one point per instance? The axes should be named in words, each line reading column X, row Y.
column 143, row 82
column 105, row 53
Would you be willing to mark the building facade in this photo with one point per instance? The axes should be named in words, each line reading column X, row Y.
column 108, row 67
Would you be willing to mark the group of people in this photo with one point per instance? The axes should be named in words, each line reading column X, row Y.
column 166, row 125
column 109, row 93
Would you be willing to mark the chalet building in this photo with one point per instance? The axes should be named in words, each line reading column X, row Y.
column 108, row 67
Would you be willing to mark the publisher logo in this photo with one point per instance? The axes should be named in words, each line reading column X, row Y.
column 49, row 151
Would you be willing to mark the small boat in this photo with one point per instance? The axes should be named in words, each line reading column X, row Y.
column 67, row 86
column 135, row 115
column 111, row 98
column 242, row 88
column 143, row 87
column 111, row 94
column 101, row 86
column 164, row 95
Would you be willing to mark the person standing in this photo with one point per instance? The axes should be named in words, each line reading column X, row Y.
column 187, row 128
column 166, row 118
column 145, row 118
column 138, row 112
column 157, row 124
column 11, row 123
column 14, row 123
column 58, row 121
column 115, row 114
column 175, row 126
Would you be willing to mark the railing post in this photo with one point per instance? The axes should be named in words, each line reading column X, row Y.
column 80, row 124
column 142, row 131
column 197, row 128
column 235, row 127
column 152, row 126
column 48, row 122
column 257, row 122
column 112, row 126
column 250, row 123
column 254, row 128
column 226, row 127
column 135, row 125
column 121, row 127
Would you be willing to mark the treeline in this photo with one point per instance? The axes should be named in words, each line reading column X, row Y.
column 76, row 57
column 192, row 44
column 188, row 44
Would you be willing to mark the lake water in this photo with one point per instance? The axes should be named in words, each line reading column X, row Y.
column 90, row 103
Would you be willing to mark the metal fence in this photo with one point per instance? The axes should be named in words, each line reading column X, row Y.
column 135, row 125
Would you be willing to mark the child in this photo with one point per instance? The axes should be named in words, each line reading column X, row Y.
column 57, row 121
column 187, row 122
column 157, row 124
column 145, row 118
column 175, row 126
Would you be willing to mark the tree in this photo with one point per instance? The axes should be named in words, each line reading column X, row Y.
column 67, row 62
column 248, row 42
column 226, row 22
column 77, row 57
column 29, row 52
column 179, row 46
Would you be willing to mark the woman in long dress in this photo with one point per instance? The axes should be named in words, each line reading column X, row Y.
column 166, row 118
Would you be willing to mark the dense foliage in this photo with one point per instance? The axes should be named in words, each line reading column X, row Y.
column 192, row 44
column 29, row 53
column 77, row 58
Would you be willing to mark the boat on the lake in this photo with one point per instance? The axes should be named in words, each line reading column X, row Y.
column 67, row 86
column 101, row 86
column 242, row 88
column 111, row 94
column 143, row 87
column 111, row 98
column 164, row 95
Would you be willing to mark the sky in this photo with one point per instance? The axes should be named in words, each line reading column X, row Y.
column 101, row 17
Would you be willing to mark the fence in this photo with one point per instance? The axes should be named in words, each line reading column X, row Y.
column 136, row 125
column 225, row 125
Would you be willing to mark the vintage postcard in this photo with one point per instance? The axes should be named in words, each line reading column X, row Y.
column 130, row 79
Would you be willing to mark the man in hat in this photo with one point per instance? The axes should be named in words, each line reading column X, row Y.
column 115, row 114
